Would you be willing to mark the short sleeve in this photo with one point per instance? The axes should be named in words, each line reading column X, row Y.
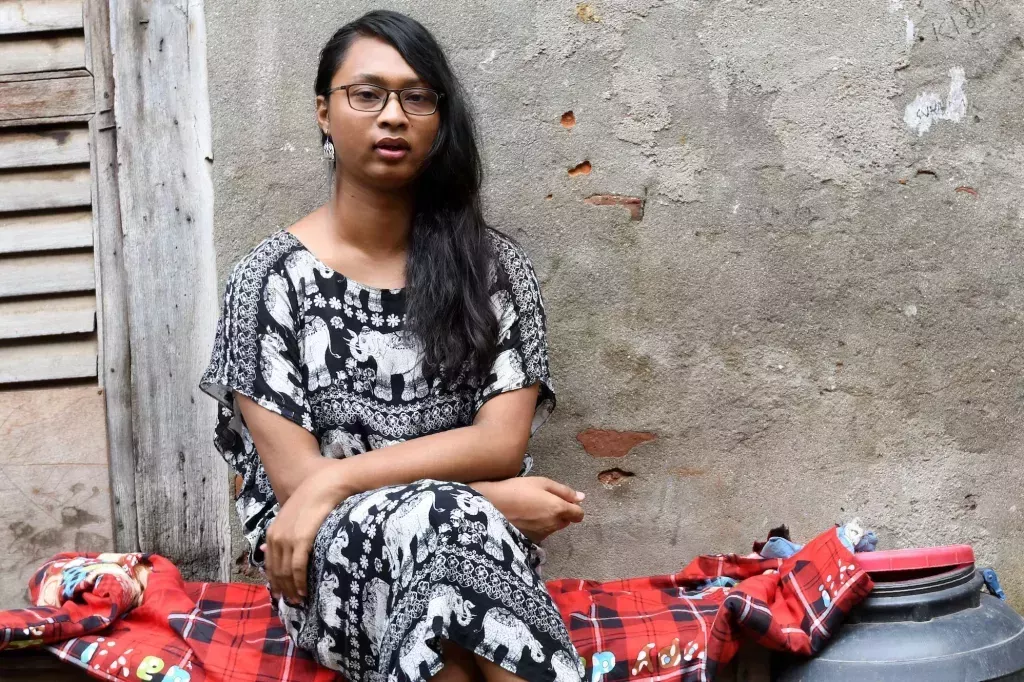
column 521, row 359
column 255, row 351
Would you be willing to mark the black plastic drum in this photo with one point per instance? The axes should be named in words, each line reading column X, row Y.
column 930, row 624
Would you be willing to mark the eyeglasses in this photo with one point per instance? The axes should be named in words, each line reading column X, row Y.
column 366, row 97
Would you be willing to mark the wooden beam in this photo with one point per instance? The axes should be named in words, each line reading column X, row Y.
column 47, row 317
column 46, row 147
column 164, row 156
column 54, row 274
column 45, row 232
column 45, row 120
column 46, row 98
column 111, row 284
column 48, row 361
column 44, row 189
column 34, row 54
column 24, row 16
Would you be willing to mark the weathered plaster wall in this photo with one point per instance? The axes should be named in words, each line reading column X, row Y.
column 54, row 481
column 813, row 300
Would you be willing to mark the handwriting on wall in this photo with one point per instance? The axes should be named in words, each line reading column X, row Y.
column 969, row 19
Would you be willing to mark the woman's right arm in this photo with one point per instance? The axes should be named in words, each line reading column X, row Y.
column 289, row 453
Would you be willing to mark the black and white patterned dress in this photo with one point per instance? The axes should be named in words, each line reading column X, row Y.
column 394, row 569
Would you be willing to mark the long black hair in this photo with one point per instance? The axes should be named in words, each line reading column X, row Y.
column 450, row 253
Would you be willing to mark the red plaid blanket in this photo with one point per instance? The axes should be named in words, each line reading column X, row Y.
column 180, row 632
column 684, row 627
column 673, row 627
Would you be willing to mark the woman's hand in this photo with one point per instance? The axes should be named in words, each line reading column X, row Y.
column 292, row 533
column 537, row 506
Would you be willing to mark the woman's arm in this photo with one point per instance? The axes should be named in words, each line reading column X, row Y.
column 492, row 448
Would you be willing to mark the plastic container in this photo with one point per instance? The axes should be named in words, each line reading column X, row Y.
column 927, row 619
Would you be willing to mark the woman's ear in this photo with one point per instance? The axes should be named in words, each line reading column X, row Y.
column 323, row 114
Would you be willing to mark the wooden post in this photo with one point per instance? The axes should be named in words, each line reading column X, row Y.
column 166, row 202
column 111, row 295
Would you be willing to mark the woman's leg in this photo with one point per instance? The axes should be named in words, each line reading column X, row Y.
column 459, row 665
column 493, row 672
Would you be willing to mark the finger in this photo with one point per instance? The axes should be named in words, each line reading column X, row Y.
column 268, row 567
column 299, row 571
column 268, row 564
column 573, row 513
column 563, row 491
column 279, row 572
column 285, row 572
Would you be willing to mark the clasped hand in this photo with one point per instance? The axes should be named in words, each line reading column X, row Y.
column 536, row 506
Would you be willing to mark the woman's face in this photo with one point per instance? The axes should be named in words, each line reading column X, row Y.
column 383, row 149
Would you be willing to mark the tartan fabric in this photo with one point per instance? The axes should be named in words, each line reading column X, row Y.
column 181, row 632
column 671, row 627
column 680, row 627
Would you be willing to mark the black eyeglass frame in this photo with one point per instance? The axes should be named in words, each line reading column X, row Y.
column 398, row 92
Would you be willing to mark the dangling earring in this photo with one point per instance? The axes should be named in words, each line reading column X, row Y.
column 329, row 150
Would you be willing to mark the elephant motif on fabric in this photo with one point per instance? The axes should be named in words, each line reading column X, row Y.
column 339, row 443
column 315, row 341
column 410, row 521
column 415, row 651
column 567, row 667
column 375, row 605
column 361, row 511
column 352, row 290
column 508, row 369
column 277, row 369
column 279, row 305
column 474, row 504
column 335, row 553
column 446, row 601
column 300, row 266
column 396, row 354
column 378, row 442
column 326, row 652
column 504, row 312
column 501, row 628
column 330, row 606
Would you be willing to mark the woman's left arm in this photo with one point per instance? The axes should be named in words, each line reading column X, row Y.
column 490, row 449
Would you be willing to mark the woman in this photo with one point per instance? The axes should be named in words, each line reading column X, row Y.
column 381, row 365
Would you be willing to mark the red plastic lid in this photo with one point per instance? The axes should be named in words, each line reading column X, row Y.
column 931, row 559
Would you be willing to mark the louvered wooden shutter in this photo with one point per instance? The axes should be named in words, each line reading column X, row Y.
column 47, row 266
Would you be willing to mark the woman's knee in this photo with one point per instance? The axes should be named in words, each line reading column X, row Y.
column 459, row 664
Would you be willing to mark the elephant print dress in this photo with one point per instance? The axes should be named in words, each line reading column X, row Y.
column 396, row 569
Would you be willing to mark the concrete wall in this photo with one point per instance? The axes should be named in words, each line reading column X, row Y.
column 54, row 481
column 813, row 301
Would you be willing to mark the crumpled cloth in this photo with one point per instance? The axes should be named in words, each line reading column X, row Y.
column 683, row 627
column 132, row 617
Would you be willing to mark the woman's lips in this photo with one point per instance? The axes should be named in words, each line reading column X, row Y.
column 391, row 153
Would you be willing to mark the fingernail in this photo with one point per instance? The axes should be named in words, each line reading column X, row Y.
column 263, row 548
column 580, row 496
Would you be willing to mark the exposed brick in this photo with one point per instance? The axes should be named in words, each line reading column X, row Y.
column 581, row 169
column 614, row 477
column 585, row 13
column 634, row 204
column 606, row 443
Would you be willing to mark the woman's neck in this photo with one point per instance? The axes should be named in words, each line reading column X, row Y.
column 375, row 222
